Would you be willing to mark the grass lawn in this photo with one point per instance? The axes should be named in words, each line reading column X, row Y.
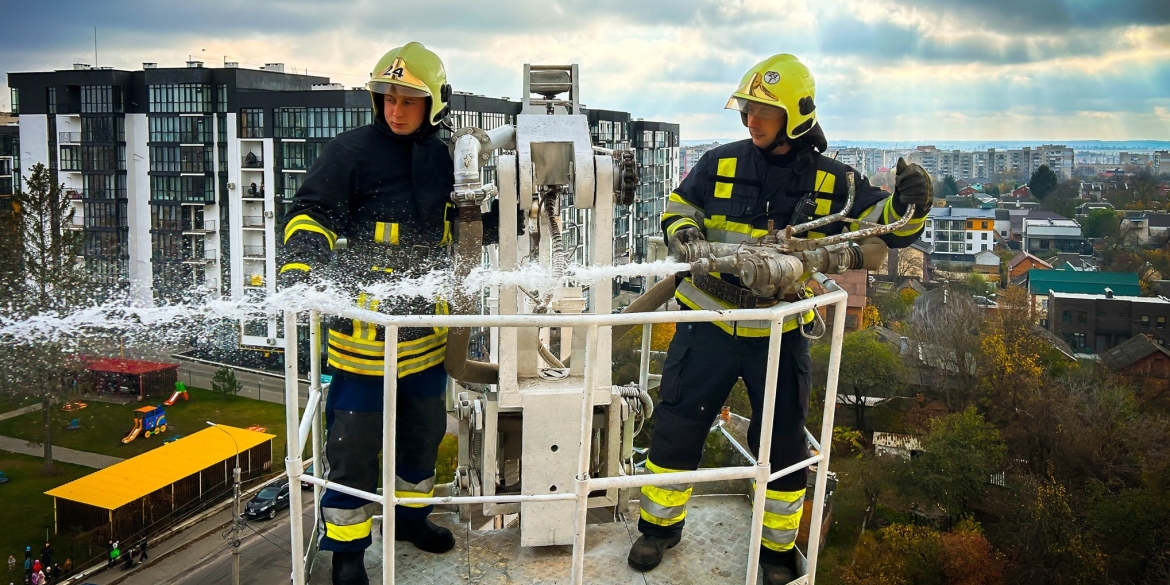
column 103, row 425
column 27, row 512
column 11, row 402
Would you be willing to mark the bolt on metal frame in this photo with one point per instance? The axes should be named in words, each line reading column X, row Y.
column 299, row 432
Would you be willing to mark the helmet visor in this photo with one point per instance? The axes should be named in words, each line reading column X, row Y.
column 753, row 108
column 398, row 89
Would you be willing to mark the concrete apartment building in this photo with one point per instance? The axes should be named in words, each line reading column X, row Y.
column 1019, row 163
column 181, row 176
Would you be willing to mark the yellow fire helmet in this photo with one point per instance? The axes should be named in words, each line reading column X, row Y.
column 780, row 81
column 413, row 71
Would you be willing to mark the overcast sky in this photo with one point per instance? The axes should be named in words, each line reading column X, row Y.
column 885, row 69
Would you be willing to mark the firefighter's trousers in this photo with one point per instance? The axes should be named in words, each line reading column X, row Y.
column 702, row 364
column 353, row 420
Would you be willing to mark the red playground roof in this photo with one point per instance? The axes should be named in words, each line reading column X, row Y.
column 124, row 366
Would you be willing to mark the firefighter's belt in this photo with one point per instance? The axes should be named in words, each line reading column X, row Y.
column 738, row 296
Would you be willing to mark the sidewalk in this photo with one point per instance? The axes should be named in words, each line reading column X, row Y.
column 27, row 409
column 62, row 454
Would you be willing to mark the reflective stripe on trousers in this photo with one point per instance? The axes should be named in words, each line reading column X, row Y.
column 664, row 505
column 348, row 525
column 782, row 512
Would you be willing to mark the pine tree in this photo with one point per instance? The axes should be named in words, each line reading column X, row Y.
column 224, row 381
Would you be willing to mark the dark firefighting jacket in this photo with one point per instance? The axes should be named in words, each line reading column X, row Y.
column 733, row 191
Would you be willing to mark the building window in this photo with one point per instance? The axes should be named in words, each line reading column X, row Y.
column 101, row 99
column 288, row 123
column 1082, row 317
column 1145, row 321
column 1078, row 340
column 182, row 129
column 221, row 97
column 926, row 235
column 180, row 98
column 103, row 129
column 1043, row 244
column 15, row 93
column 293, row 155
column 1066, row 316
column 969, row 247
column 103, row 158
column 1161, row 323
column 984, row 235
column 252, row 123
column 970, row 235
column 52, row 99
column 984, row 247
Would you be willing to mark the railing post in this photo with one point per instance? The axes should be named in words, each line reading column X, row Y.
column 293, row 464
column 578, row 575
column 644, row 364
column 814, row 527
column 315, row 383
column 389, row 460
column 764, row 457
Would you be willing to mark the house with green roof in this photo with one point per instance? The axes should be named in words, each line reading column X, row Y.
column 1040, row 282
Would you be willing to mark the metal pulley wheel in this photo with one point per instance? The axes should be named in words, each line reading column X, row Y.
column 625, row 177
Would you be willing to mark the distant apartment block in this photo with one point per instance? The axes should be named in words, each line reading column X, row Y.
column 1019, row 164
column 958, row 234
column 1096, row 323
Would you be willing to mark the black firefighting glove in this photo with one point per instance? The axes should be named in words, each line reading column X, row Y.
column 912, row 186
column 304, row 256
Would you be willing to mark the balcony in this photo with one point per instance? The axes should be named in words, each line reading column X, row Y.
column 69, row 137
column 254, row 252
column 250, row 161
column 253, row 191
column 199, row 227
column 74, row 194
column 199, row 257
column 70, row 165
column 253, row 221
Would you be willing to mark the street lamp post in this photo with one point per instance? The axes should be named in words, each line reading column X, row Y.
column 237, row 524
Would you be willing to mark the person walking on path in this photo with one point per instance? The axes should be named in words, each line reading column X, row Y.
column 11, row 563
column 38, row 578
column 28, row 565
column 142, row 550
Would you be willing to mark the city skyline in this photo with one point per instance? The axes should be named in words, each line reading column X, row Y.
column 914, row 70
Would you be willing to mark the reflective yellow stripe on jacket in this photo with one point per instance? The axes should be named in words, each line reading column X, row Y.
column 688, row 294
column 304, row 223
column 363, row 353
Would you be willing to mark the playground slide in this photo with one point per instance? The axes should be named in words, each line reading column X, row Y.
column 175, row 397
column 133, row 432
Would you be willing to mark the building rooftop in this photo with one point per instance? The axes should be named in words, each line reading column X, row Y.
column 1131, row 351
column 1040, row 281
column 960, row 213
column 1103, row 297
column 1024, row 256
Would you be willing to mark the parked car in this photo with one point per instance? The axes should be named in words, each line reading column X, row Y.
column 271, row 499
column 308, row 471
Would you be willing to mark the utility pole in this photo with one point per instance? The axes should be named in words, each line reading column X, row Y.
column 237, row 527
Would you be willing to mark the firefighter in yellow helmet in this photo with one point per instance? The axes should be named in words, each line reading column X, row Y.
column 778, row 175
column 385, row 187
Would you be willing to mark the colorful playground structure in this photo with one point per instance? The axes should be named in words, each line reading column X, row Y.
column 180, row 392
column 73, row 405
column 148, row 420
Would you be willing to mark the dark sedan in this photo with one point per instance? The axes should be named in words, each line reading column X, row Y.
column 271, row 499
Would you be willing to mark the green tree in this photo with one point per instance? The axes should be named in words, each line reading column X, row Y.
column 959, row 455
column 224, row 381
column 1063, row 199
column 52, row 282
column 1043, row 182
column 1101, row 223
column 868, row 368
column 948, row 186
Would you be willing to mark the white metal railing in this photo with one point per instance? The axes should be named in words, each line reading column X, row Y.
column 761, row 471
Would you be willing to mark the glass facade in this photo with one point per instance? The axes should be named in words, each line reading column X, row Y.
column 252, row 123
column 182, row 129
column 102, row 99
column 180, row 98
column 103, row 129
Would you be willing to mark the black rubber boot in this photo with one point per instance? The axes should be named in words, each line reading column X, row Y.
column 349, row 568
column 777, row 574
column 647, row 550
column 424, row 535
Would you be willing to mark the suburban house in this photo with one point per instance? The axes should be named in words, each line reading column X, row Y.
column 959, row 233
column 1023, row 262
column 1144, row 361
column 987, row 265
column 1045, row 236
column 1097, row 323
column 1142, row 228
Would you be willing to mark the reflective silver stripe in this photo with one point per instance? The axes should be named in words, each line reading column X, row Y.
column 357, row 367
column 418, row 366
column 659, row 511
column 727, row 237
column 874, row 215
column 676, row 487
column 425, row 486
column 349, row 516
column 783, row 538
column 372, row 346
column 681, row 208
column 783, row 508
column 707, row 302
